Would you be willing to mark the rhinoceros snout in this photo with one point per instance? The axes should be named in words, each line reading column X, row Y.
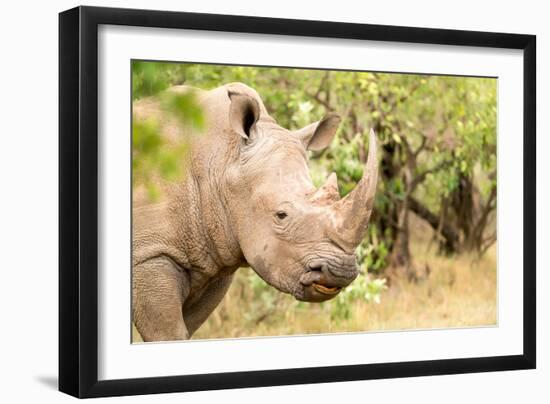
column 325, row 278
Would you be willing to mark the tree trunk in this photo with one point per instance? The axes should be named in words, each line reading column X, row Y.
column 400, row 258
column 472, row 215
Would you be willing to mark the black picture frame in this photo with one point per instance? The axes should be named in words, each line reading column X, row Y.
column 78, row 201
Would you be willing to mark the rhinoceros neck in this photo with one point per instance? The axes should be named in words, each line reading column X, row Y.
column 207, row 220
column 189, row 227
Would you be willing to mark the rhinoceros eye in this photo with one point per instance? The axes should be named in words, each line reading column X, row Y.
column 281, row 215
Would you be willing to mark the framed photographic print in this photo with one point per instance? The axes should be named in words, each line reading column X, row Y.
column 251, row 201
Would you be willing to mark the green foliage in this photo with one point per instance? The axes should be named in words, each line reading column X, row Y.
column 150, row 78
column 363, row 288
column 152, row 155
column 185, row 108
column 372, row 253
column 265, row 298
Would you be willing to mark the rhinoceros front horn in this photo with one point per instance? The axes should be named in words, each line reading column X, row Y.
column 351, row 215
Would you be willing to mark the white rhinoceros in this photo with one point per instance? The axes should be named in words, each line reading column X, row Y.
column 247, row 200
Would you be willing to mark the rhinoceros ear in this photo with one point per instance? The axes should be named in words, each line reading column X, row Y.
column 318, row 135
column 244, row 112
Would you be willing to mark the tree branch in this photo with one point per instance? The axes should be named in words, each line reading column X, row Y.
column 317, row 95
column 488, row 242
column 318, row 98
column 421, row 147
column 449, row 234
column 487, row 209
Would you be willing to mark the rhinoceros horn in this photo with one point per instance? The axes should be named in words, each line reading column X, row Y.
column 328, row 192
column 350, row 215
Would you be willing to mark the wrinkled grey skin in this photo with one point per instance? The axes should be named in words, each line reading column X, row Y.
column 247, row 200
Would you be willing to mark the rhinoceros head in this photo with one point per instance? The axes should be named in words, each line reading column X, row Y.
column 299, row 239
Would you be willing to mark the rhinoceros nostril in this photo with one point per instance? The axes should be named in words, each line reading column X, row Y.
column 320, row 267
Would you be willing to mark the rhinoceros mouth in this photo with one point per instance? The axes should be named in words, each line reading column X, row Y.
column 327, row 290
column 317, row 292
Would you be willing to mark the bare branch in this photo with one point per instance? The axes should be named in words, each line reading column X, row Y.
column 317, row 95
column 422, row 146
column 322, row 84
column 487, row 209
column 487, row 243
